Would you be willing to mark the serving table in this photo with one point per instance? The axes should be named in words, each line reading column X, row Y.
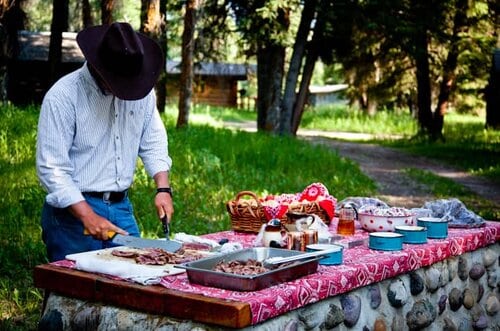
column 176, row 297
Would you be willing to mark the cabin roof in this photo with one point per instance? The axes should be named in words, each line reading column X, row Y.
column 34, row 46
column 323, row 89
column 240, row 71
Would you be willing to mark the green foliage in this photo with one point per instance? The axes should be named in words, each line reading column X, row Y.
column 212, row 165
column 343, row 119
column 39, row 13
column 20, row 206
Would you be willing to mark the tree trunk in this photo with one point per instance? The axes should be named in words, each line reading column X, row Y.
column 186, row 79
column 313, row 49
column 423, row 82
column 60, row 15
column 493, row 87
column 270, row 69
column 450, row 65
column 161, row 85
column 12, row 19
column 307, row 73
column 87, row 18
column 150, row 18
column 493, row 93
column 153, row 25
column 107, row 7
column 286, row 117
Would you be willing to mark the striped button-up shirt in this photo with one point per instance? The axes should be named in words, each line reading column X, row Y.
column 88, row 141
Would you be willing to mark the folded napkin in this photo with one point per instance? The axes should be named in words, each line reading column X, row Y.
column 142, row 274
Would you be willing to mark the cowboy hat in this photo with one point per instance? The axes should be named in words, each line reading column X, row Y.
column 128, row 62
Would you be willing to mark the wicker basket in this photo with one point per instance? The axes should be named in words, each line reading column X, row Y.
column 247, row 215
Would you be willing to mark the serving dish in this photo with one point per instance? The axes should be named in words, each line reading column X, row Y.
column 413, row 234
column 386, row 241
column 201, row 271
column 379, row 223
column 436, row 227
column 330, row 258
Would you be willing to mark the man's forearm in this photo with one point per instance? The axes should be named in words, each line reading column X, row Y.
column 161, row 179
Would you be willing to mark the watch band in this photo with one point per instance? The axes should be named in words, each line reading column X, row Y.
column 164, row 190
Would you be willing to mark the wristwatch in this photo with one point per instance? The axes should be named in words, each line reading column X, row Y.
column 164, row 190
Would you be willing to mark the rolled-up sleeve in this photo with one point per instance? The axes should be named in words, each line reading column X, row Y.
column 54, row 167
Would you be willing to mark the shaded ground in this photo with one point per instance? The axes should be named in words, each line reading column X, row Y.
column 385, row 166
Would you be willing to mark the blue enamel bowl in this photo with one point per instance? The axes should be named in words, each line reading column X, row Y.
column 412, row 234
column 386, row 241
column 436, row 228
column 331, row 258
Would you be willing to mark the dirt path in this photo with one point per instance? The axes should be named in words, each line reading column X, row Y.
column 385, row 166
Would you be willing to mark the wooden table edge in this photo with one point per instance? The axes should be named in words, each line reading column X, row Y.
column 147, row 298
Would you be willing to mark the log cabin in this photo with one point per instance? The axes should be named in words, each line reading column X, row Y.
column 215, row 84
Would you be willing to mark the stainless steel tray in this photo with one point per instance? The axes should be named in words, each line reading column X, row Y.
column 201, row 271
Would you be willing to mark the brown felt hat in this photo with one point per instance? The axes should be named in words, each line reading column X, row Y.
column 128, row 61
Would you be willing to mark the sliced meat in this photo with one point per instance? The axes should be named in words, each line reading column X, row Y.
column 124, row 253
column 157, row 256
column 249, row 267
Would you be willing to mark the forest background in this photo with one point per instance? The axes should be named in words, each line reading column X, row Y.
column 426, row 57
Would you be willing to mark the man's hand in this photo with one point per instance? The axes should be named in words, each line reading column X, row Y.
column 164, row 205
column 163, row 200
column 95, row 225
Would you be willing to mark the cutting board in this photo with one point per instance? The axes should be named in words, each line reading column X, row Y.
column 118, row 264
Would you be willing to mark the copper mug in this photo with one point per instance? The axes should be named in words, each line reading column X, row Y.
column 310, row 236
column 295, row 240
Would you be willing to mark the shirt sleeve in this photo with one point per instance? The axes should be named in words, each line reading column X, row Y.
column 54, row 168
column 153, row 149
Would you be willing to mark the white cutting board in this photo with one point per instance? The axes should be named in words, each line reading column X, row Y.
column 99, row 260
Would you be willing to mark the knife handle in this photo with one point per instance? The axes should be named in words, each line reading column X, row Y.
column 166, row 226
column 111, row 233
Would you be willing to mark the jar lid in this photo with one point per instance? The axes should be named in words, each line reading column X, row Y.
column 273, row 225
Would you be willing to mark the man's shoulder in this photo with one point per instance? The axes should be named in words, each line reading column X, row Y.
column 68, row 81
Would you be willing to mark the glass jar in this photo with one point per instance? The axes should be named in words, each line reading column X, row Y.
column 347, row 216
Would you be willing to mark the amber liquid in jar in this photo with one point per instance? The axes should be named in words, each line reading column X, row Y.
column 345, row 226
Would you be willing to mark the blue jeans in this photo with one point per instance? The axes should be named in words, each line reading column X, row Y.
column 62, row 233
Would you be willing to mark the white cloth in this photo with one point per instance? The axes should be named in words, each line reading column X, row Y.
column 189, row 238
column 143, row 274
column 89, row 141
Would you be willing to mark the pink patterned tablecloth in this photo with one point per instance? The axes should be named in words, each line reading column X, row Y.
column 361, row 266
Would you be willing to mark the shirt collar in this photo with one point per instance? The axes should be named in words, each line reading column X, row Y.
column 91, row 81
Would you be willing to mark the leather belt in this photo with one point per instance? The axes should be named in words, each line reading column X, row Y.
column 108, row 196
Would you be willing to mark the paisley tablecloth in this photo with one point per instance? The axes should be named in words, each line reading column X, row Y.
column 361, row 266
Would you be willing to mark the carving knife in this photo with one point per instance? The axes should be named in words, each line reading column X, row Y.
column 136, row 242
column 166, row 226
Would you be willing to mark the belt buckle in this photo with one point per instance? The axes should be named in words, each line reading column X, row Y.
column 106, row 196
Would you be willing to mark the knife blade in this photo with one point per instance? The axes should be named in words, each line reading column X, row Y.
column 137, row 242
